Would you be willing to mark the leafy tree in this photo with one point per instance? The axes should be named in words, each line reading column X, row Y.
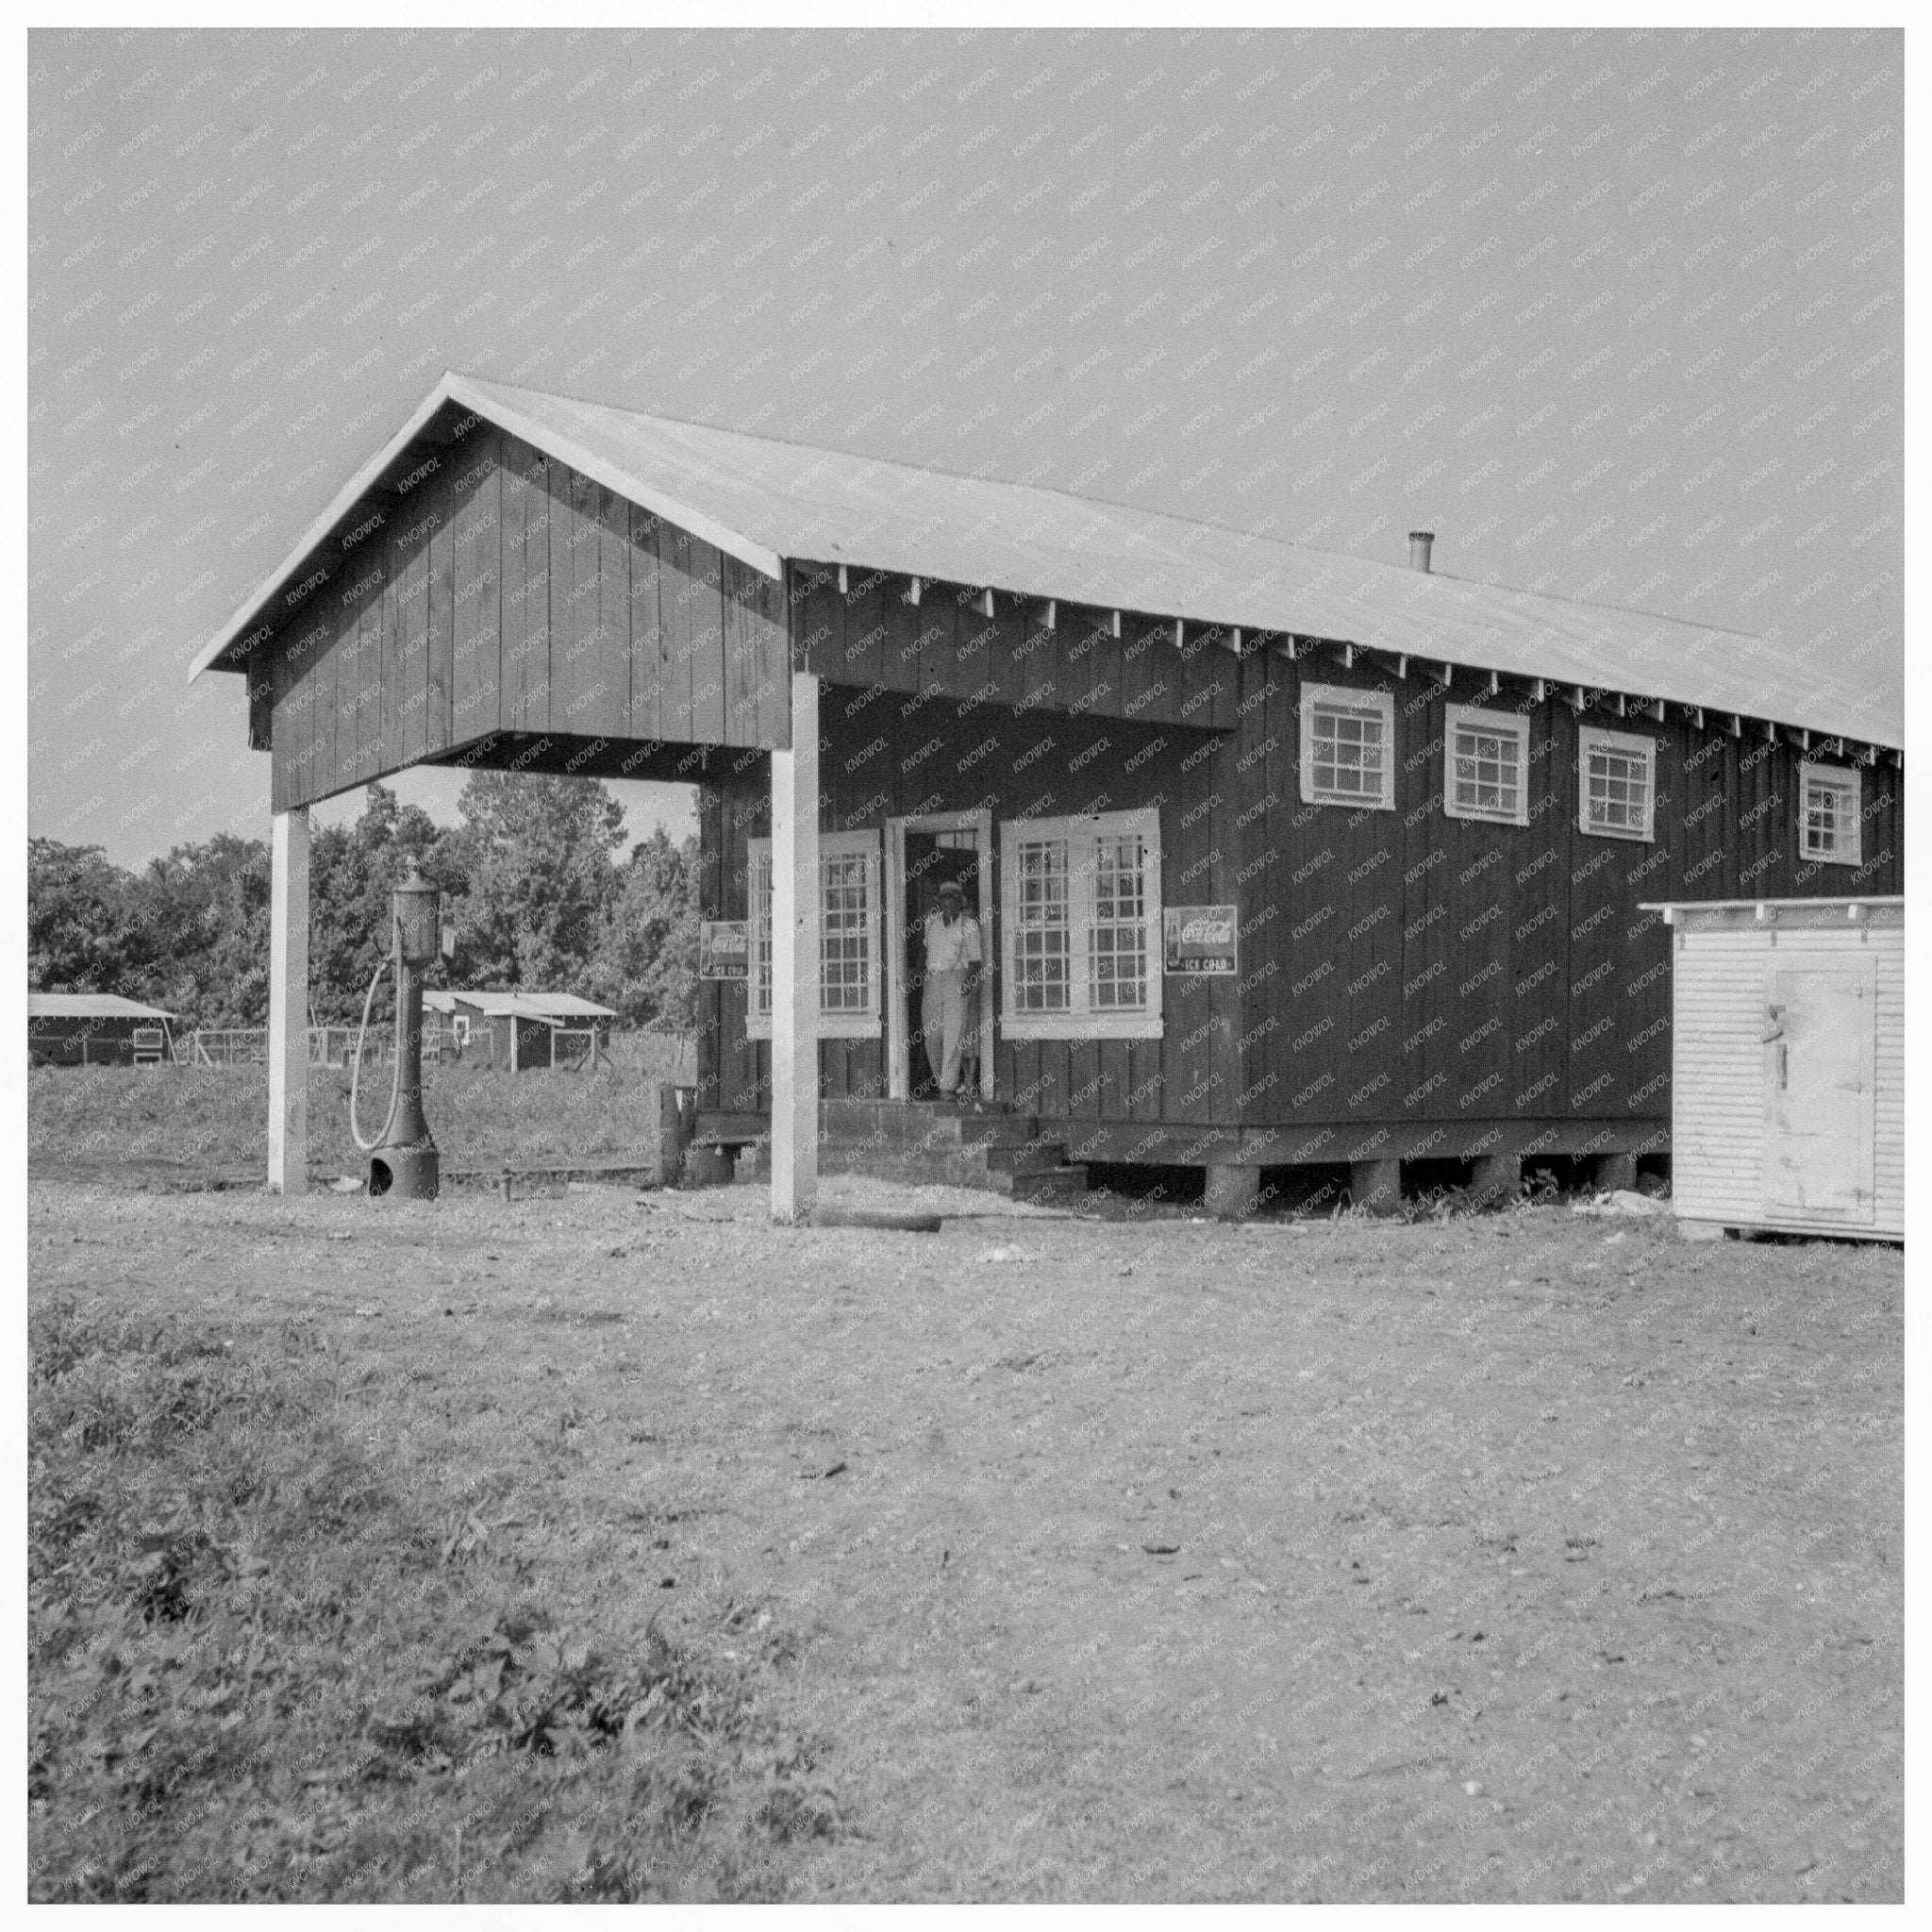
column 539, row 855
column 534, row 891
column 83, row 922
column 646, row 960
column 206, row 909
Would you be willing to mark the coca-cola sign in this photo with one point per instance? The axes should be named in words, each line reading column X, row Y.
column 724, row 949
column 1199, row 939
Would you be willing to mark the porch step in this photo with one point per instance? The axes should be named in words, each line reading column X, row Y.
column 999, row 1151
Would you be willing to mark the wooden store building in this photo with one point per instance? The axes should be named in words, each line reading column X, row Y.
column 1282, row 859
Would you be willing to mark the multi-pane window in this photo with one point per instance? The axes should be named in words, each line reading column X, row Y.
column 1487, row 756
column 1039, row 979
column 1117, row 940
column 1616, row 778
column 848, row 934
column 1348, row 746
column 1829, row 826
column 845, row 933
column 1082, row 899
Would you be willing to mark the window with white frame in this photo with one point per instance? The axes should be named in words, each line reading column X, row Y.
column 848, row 936
column 1348, row 746
column 1486, row 757
column 1082, row 926
column 1829, row 823
column 1616, row 784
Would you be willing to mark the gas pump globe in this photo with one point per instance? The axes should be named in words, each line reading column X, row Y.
column 403, row 1158
column 416, row 902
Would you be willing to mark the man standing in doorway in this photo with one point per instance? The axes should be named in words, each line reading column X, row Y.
column 952, row 985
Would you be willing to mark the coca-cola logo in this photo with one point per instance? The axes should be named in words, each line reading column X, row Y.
column 1207, row 932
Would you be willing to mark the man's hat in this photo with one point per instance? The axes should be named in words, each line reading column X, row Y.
column 954, row 888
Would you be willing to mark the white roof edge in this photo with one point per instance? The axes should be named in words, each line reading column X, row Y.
column 339, row 507
column 453, row 388
column 1735, row 904
column 463, row 391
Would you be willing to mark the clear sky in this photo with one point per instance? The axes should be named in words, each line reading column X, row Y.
column 1618, row 315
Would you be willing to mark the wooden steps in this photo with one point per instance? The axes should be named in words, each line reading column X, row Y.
column 999, row 1151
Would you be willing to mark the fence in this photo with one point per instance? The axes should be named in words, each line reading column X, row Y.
column 328, row 1046
column 644, row 1050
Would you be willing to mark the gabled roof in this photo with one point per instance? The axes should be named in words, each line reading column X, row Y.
column 768, row 501
column 89, row 1005
column 525, row 1006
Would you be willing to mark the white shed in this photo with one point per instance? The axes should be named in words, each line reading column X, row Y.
column 1787, row 1065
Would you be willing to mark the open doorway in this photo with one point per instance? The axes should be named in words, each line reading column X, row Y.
column 924, row 854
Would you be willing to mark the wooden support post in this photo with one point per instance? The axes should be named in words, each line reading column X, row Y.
column 1498, row 1178
column 676, row 1117
column 796, row 960
column 1232, row 1192
column 1376, row 1186
column 288, row 1002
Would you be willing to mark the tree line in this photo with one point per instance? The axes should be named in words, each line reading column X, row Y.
column 534, row 874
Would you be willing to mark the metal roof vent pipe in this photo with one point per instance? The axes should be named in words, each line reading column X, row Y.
column 1419, row 541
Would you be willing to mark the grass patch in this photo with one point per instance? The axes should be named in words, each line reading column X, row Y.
column 266, row 1663
column 216, row 1118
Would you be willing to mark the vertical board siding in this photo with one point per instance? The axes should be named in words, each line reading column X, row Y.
column 569, row 532
column 612, row 602
column 476, row 547
column 508, row 594
column 388, row 656
column 677, row 553
column 365, row 702
column 437, row 712
column 646, row 628
column 412, row 623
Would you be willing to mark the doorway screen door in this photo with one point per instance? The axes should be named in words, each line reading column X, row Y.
column 921, row 854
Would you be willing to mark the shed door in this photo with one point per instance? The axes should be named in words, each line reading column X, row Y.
column 1820, row 1024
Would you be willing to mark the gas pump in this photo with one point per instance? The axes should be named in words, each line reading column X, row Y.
column 402, row 1157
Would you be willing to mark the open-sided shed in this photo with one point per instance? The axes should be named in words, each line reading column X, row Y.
column 518, row 1032
column 96, row 1029
column 1283, row 857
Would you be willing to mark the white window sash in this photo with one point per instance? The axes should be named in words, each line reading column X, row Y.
column 840, row 1022
column 1848, row 791
column 1379, row 705
column 1593, row 741
column 1512, row 729
column 1088, row 937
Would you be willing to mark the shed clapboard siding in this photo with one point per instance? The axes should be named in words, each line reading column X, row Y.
column 1719, row 1070
column 508, row 594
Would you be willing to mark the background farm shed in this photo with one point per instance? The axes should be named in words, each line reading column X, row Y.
column 1435, row 806
column 517, row 1031
column 95, row 1029
column 1789, row 1075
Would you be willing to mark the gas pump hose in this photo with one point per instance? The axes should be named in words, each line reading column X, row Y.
column 395, row 1089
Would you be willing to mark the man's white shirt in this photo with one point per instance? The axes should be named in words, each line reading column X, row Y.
column 949, row 948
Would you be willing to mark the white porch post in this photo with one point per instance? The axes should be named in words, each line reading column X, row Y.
column 796, row 960
column 287, row 1003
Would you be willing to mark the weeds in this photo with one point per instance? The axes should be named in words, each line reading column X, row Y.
column 217, row 1118
column 262, row 1666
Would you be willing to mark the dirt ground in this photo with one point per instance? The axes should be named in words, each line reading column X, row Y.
column 1508, row 1557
